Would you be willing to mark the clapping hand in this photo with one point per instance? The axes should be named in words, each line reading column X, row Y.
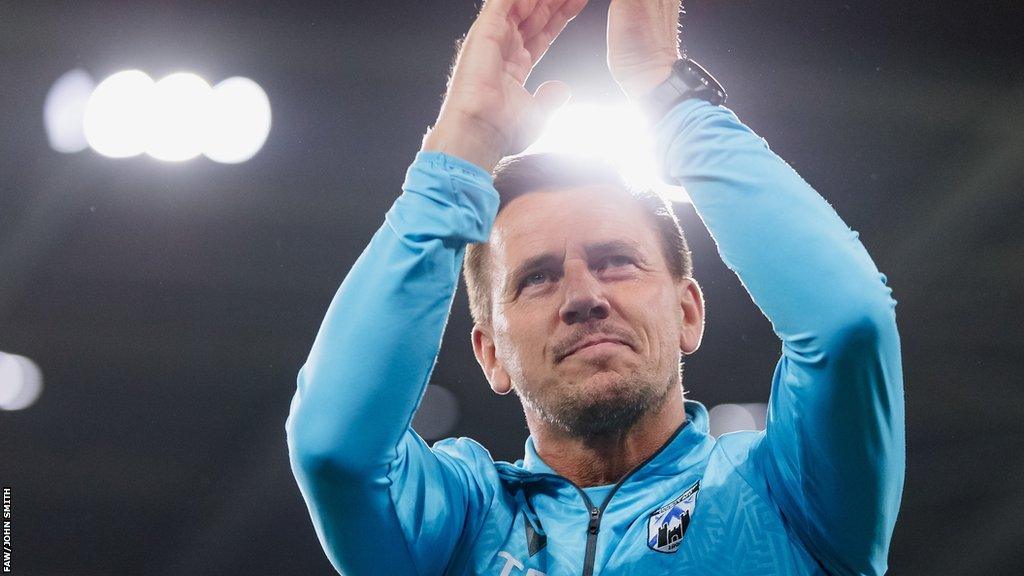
column 487, row 112
column 643, row 43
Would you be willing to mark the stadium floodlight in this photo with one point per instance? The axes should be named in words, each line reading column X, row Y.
column 64, row 111
column 615, row 133
column 179, row 117
column 239, row 121
column 175, row 119
column 21, row 382
column 117, row 115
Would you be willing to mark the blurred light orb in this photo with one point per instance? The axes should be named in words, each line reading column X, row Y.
column 179, row 117
column 173, row 120
column 616, row 133
column 64, row 111
column 437, row 414
column 239, row 121
column 21, row 382
column 726, row 418
column 117, row 116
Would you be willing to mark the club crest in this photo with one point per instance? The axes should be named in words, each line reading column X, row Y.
column 667, row 525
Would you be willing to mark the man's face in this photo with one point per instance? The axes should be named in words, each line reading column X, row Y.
column 587, row 322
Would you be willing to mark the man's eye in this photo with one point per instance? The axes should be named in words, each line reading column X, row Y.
column 616, row 261
column 535, row 279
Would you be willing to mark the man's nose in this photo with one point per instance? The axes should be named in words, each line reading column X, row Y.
column 584, row 295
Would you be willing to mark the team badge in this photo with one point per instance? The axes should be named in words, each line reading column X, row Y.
column 667, row 525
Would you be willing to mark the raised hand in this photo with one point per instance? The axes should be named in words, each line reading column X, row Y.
column 487, row 112
column 643, row 43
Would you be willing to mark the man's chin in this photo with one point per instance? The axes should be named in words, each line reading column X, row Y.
column 606, row 383
column 606, row 403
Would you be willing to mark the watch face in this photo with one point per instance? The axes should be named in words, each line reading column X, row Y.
column 701, row 80
column 688, row 80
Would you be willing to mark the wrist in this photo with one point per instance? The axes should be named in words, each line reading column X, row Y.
column 687, row 80
column 640, row 85
column 469, row 141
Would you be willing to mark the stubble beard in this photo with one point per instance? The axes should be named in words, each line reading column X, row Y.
column 580, row 414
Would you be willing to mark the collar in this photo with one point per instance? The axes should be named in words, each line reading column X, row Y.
column 688, row 446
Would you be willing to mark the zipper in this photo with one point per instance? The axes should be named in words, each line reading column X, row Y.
column 594, row 525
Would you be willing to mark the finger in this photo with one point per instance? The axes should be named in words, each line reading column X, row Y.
column 552, row 95
column 538, row 18
column 498, row 20
column 515, row 10
column 538, row 44
column 550, row 14
column 546, row 99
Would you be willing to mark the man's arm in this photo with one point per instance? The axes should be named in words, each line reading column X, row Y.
column 380, row 499
column 833, row 453
column 383, row 502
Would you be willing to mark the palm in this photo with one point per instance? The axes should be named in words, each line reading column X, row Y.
column 502, row 47
column 643, row 41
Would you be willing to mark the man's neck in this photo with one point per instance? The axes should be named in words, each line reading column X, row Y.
column 605, row 459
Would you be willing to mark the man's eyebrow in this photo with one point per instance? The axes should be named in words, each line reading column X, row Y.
column 553, row 260
column 601, row 248
column 545, row 260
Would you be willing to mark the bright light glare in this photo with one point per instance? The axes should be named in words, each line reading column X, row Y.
column 64, row 111
column 616, row 133
column 21, row 382
column 239, row 121
column 118, row 113
column 180, row 115
column 173, row 120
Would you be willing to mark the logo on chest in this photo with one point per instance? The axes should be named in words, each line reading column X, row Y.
column 667, row 525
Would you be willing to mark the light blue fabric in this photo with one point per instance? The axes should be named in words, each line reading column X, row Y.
column 817, row 492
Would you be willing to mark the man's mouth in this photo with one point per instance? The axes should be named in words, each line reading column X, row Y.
column 595, row 343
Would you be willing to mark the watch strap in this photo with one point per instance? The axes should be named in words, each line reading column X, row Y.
column 687, row 80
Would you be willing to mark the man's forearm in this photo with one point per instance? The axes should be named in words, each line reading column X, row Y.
column 379, row 339
column 367, row 370
column 801, row 263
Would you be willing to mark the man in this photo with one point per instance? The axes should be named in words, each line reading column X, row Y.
column 583, row 305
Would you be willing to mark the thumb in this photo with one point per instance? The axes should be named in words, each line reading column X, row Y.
column 547, row 98
column 551, row 96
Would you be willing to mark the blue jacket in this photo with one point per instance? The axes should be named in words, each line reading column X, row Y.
column 817, row 492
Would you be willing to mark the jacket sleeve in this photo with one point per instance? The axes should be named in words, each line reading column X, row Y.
column 381, row 500
column 833, row 451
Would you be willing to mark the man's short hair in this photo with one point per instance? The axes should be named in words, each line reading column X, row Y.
column 518, row 175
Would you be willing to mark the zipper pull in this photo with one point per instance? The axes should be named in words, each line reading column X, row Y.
column 595, row 519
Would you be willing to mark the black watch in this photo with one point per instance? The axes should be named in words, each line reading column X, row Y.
column 688, row 80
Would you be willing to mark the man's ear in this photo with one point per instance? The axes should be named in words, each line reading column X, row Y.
column 691, row 309
column 483, row 349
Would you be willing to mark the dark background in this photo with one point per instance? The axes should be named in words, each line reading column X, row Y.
column 170, row 306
